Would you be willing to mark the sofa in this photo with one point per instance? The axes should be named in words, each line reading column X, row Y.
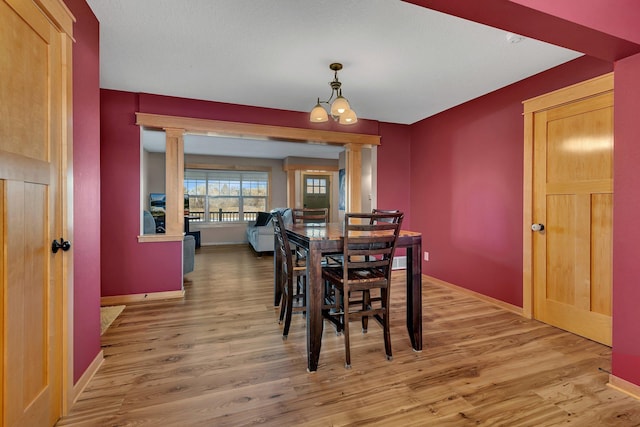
column 260, row 232
column 188, row 244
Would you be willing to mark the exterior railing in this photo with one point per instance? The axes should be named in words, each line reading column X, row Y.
column 222, row 216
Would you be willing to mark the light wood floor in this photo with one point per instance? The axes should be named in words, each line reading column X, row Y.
column 216, row 358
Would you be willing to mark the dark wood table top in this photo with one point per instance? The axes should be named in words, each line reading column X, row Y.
column 333, row 231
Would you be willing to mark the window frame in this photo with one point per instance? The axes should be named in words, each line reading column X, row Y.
column 216, row 168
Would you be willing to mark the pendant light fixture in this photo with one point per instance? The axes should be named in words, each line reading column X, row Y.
column 339, row 109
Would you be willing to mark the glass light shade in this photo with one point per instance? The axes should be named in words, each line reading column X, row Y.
column 318, row 114
column 348, row 118
column 339, row 106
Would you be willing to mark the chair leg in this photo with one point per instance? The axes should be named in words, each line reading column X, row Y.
column 283, row 304
column 289, row 309
column 386, row 325
column 331, row 306
column 345, row 321
column 337, row 307
column 302, row 297
column 366, row 302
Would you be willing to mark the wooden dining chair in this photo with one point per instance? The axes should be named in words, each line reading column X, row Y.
column 293, row 276
column 369, row 246
column 310, row 215
column 387, row 211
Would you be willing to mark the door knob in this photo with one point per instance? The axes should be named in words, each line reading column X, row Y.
column 65, row 245
column 537, row 227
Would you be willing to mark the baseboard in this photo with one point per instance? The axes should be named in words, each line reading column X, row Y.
column 151, row 296
column 88, row 374
column 624, row 386
column 505, row 305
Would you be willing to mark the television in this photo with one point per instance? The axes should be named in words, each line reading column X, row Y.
column 157, row 207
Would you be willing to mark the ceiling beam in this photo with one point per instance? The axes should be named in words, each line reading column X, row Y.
column 540, row 25
column 254, row 131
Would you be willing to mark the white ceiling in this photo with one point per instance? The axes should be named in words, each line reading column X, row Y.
column 402, row 62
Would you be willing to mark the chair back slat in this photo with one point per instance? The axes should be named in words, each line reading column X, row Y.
column 381, row 226
column 371, row 239
column 383, row 211
column 310, row 215
column 362, row 264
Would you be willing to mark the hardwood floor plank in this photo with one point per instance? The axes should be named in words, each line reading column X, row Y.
column 217, row 358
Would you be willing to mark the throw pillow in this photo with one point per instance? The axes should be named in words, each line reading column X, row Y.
column 263, row 219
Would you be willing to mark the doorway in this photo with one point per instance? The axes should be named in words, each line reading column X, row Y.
column 316, row 191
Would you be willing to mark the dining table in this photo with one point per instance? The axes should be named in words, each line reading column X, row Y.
column 321, row 239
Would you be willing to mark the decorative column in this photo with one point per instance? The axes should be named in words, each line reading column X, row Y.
column 291, row 188
column 353, row 178
column 174, row 181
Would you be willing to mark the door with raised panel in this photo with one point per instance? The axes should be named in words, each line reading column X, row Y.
column 316, row 191
column 573, row 215
column 34, row 61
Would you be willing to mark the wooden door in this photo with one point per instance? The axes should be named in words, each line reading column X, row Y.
column 573, row 200
column 34, row 59
column 316, row 191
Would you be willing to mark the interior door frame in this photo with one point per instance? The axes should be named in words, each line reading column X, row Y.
column 294, row 170
column 549, row 100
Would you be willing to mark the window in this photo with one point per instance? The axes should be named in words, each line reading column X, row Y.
column 226, row 196
column 316, row 186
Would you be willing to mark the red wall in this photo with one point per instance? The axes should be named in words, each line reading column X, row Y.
column 86, row 188
column 394, row 172
column 626, row 232
column 573, row 27
column 466, row 184
column 128, row 267
column 619, row 19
